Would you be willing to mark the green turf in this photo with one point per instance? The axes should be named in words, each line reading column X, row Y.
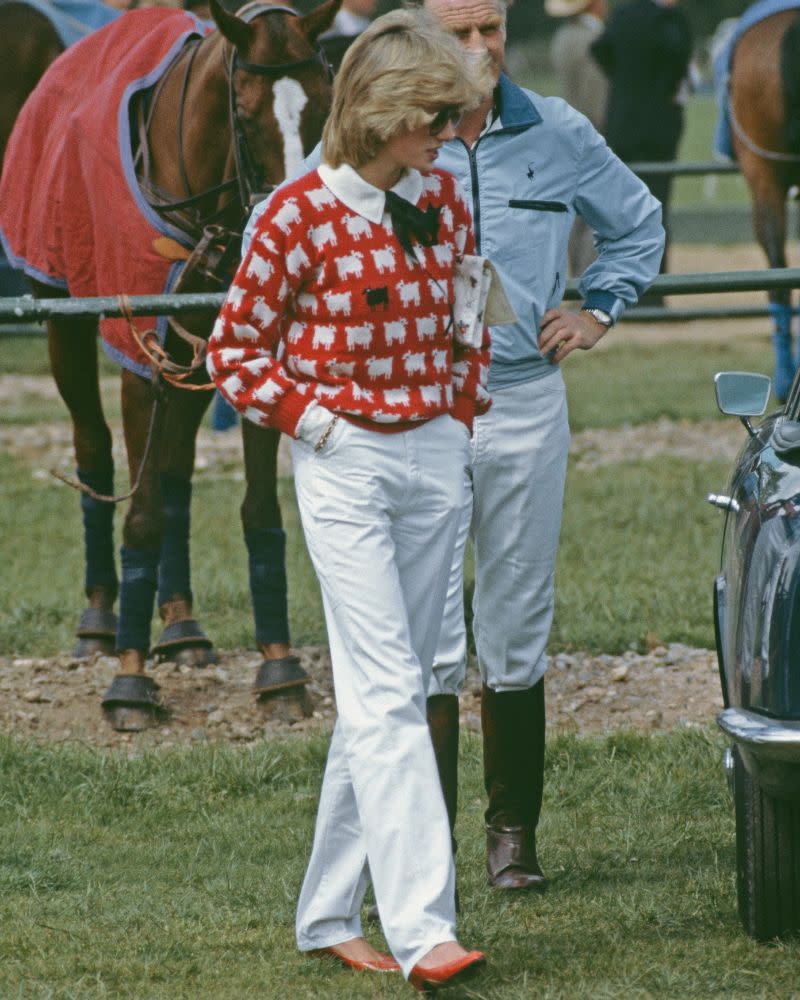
column 174, row 874
column 637, row 555
column 638, row 383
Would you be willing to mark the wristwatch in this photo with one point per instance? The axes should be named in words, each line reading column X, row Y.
column 603, row 318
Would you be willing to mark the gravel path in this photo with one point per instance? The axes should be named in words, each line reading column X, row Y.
column 59, row 698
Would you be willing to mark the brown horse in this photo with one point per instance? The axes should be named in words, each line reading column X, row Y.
column 232, row 113
column 31, row 43
column 765, row 115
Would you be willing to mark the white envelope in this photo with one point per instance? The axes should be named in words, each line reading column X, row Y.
column 480, row 299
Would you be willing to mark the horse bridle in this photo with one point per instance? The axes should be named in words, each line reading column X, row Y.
column 246, row 176
column 245, row 171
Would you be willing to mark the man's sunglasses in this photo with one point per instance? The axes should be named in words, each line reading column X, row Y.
column 444, row 117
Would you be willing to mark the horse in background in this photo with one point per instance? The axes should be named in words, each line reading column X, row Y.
column 33, row 33
column 31, row 43
column 764, row 99
column 226, row 117
column 32, row 37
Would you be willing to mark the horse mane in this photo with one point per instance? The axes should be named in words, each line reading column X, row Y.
column 790, row 77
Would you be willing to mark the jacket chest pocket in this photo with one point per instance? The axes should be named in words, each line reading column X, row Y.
column 537, row 206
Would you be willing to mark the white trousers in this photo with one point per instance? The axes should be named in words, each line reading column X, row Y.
column 380, row 516
column 514, row 497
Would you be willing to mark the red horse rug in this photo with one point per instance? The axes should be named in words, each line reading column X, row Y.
column 71, row 211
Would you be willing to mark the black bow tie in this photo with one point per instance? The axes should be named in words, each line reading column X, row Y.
column 411, row 223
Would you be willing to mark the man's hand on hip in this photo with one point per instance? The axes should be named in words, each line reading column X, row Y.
column 562, row 331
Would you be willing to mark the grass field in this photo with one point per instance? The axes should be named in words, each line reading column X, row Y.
column 173, row 875
column 639, row 546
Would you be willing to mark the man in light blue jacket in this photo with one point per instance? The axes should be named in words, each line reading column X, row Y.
column 528, row 164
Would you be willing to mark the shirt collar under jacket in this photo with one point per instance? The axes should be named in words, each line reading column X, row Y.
column 364, row 198
column 517, row 110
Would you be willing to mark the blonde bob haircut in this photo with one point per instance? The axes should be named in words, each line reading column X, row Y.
column 394, row 77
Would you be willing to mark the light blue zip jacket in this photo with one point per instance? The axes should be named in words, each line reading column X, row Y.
column 526, row 179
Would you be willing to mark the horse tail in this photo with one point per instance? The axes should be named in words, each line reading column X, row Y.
column 790, row 75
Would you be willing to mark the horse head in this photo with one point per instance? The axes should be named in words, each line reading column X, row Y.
column 280, row 87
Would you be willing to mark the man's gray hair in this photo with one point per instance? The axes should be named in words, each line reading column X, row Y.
column 502, row 4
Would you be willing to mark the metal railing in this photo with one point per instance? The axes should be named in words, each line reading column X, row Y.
column 676, row 169
column 26, row 309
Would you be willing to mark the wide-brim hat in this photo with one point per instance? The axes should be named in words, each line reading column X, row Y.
column 565, row 8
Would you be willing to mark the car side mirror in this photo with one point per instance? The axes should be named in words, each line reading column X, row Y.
column 742, row 394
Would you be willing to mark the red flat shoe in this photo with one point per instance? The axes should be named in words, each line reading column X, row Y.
column 429, row 980
column 385, row 964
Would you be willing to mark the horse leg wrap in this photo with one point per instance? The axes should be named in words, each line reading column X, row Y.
column 267, row 554
column 796, row 312
column 174, row 578
column 782, row 343
column 98, row 530
column 136, row 596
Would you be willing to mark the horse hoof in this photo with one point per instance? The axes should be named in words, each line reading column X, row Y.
column 132, row 703
column 186, row 643
column 280, row 687
column 86, row 647
column 290, row 705
column 129, row 720
column 192, row 656
column 96, row 632
column 279, row 675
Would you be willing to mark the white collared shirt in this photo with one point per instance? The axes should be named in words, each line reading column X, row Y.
column 364, row 198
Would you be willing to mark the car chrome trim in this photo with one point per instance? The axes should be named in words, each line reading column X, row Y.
column 723, row 502
column 766, row 738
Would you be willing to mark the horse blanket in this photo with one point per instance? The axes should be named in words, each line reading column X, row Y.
column 721, row 63
column 71, row 212
column 74, row 19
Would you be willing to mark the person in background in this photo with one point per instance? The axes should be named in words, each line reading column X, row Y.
column 354, row 17
column 583, row 85
column 645, row 51
column 339, row 330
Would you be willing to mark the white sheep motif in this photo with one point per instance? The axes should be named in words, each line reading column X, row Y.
column 357, row 226
column 287, row 215
column 324, row 337
column 259, row 268
column 338, row 303
column 359, row 336
column 395, row 330
column 263, row 313
column 409, row 292
column 350, row 265
column 414, row 362
column 379, row 368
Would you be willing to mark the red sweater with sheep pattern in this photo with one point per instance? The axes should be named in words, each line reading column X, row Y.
column 326, row 306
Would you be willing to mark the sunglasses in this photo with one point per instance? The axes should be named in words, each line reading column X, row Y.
column 444, row 117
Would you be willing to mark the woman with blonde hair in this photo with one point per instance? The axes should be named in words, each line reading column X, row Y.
column 338, row 330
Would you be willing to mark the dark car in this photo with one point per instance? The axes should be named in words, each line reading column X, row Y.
column 757, row 619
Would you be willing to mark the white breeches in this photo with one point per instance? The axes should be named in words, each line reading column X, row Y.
column 512, row 511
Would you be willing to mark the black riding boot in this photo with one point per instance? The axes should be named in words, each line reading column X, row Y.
column 513, row 767
column 443, row 726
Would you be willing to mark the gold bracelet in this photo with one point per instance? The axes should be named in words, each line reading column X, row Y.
column 326, row 433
